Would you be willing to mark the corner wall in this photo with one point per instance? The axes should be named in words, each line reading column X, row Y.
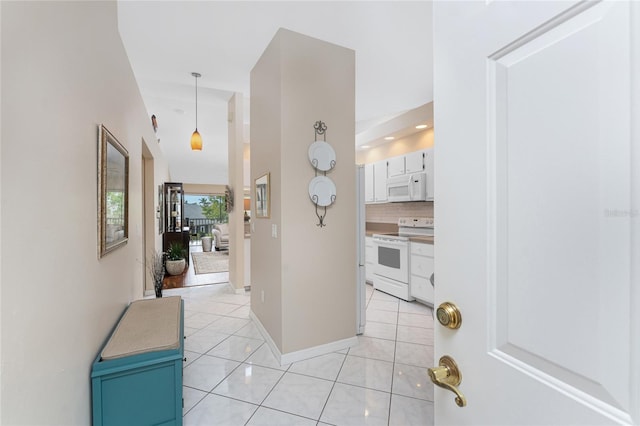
column 309, row 274
column 64, row 71
column 236, row 181
column 266, row 255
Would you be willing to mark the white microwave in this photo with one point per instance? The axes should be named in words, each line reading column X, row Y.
column 411, row 187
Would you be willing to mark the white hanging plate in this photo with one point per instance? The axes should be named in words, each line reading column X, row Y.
column 322, row 156
column 324, row 189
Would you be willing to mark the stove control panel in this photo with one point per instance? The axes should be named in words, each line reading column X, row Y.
column 416, row 222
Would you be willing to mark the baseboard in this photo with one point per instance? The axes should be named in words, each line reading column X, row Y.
column 236, row 290
column 327, row 348
column 303, row 354
column 267, row 337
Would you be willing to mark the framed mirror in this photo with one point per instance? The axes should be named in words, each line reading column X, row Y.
column 113, row 193
column 262, row 197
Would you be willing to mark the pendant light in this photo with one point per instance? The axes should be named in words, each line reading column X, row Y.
column 196, row 139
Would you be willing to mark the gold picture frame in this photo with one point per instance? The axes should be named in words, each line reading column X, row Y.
column 263, row 196
column 113, row 193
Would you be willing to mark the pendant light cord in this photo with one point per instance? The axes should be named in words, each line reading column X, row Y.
column 196, row 76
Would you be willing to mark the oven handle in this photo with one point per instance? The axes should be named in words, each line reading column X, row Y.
column 389, row 242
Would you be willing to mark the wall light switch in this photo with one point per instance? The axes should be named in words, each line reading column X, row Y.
column 274, row 230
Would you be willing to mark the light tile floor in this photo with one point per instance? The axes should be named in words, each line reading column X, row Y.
column 232, row 378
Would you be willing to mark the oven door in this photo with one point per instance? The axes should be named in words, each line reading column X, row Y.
column 393, row 259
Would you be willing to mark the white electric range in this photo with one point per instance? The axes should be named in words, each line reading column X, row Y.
column 391, row 273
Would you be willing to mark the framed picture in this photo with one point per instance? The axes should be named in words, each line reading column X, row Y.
column 263, row 197
column 113, row 193
column 160, row 209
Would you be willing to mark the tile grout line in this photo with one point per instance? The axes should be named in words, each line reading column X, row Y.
column 393, row 369
column 269, row 393
column 333, row 386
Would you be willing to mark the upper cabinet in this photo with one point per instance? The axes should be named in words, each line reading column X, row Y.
column 369, row 194
column 396, row 166
column 376, row 174
column 414, row 162
column 405, row 164
column 380, row 181
column 375, row 182
column 428, row 168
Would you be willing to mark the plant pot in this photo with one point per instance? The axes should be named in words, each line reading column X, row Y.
column 175, row 267
column 206, row 243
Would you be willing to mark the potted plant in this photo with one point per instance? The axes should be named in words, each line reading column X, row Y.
column 207, row 241
column 156, row 269
column 175, row 262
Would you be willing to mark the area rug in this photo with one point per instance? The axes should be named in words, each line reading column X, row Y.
column 210, row 262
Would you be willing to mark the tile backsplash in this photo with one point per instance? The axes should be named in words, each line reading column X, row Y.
column 390, row 212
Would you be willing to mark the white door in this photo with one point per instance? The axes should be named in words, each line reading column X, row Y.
column 537, row 117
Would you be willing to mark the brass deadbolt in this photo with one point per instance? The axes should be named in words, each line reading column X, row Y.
column 449, row 315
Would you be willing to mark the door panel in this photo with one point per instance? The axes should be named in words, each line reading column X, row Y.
column 555, row 172
column 543, row 264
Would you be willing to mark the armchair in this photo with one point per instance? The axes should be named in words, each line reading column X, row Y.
column 221, row 236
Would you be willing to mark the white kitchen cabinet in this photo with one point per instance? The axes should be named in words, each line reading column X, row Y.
column 369, row 194
column 370, row 255
column 396, row 166
column 421, row 267
column 380, row 181
column 414, row 162
column 428, row 168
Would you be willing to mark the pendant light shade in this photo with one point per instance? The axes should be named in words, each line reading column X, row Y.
column 196, row 139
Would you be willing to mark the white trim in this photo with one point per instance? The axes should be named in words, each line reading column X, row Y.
column 303, row 354
column 318, row 350
column 267, row 337
column 236, row 290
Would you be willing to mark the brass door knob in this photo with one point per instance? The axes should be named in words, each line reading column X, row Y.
column 448, row 376
column 449, row 315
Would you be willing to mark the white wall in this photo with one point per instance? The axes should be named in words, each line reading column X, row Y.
column 236, row 181
column 266, row 259
column 64, row 71
column 308, row 273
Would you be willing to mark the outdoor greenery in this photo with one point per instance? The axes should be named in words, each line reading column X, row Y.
column 115, row 207
column 213, row 207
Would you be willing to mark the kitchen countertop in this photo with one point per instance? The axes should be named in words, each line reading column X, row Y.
column 388, row 228
column 424, row 240
column 380, row 228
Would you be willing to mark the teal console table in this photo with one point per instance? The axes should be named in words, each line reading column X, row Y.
column 137, row 377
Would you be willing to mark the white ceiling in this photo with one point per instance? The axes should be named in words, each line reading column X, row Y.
column 168, row 40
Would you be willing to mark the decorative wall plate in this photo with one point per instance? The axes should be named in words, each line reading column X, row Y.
column 322, row 156
column 322, row 191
